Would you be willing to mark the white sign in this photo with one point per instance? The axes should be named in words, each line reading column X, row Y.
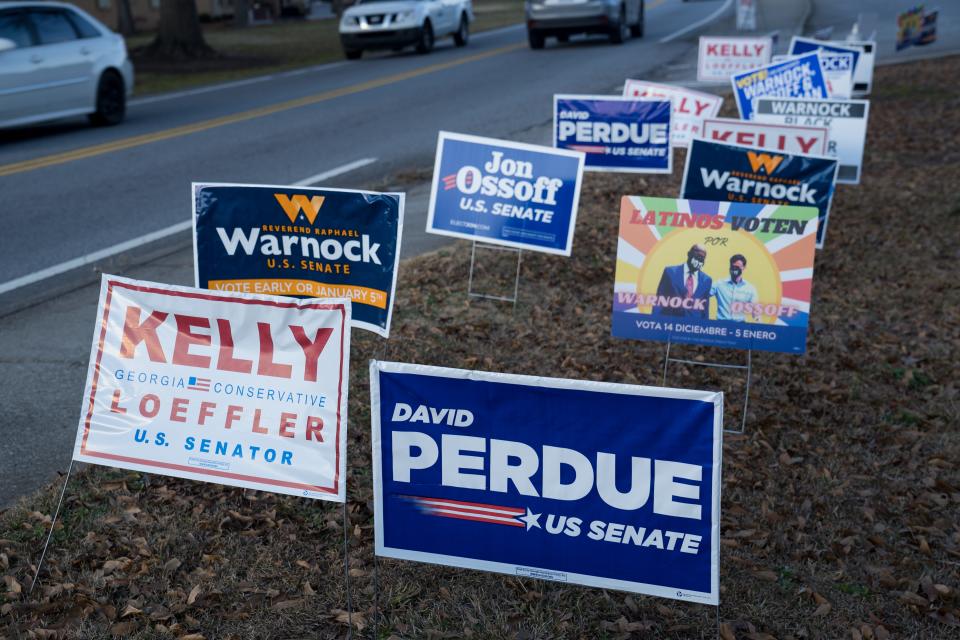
column 791, row 139
column 689, row 107
column 845, row 120
column 746, row 15
column 721, row 58
column 234, row 388
column 863, row 74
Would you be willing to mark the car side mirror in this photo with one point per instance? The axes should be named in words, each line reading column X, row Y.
column 7, row 44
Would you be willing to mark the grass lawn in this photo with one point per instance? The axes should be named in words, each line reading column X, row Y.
column 284, row 45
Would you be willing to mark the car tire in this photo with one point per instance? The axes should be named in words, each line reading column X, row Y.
column 536, row 39
column 462, row 35
column 353, row 54
column 111, row 100
column 425, row 44
column 636, row 30
column 620, row 31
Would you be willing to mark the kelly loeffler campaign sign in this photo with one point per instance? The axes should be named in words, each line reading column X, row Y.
column 301, row 242
column 720, row 58
column 735, row 173
column 617, row 134
column 724, row 274
column 607, row 485
column 507, row 193
column 239, row 389
column 689, row 107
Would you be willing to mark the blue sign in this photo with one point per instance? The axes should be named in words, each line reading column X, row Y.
column 617, row 134
column 733, row 173
column 800, row 45
column 301, row 242
column 607, row 485
column 799, row 77
column 507, row 193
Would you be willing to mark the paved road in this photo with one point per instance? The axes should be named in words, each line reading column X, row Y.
column 99, row 187
column 65, row 194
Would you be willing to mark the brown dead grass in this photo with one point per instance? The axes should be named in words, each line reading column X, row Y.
column 841, row 503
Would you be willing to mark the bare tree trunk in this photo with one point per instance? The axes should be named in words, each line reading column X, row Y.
column 241, row 13
column 337, row 7
column 125, row 25
column 179, row 36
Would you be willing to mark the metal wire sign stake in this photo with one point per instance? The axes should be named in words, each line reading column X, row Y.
column 516, row 280
column 718, row 365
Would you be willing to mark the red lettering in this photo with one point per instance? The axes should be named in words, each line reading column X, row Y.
column 311, row 350
column 266, row 366
column 186, row 338
column 314, row 426
column 153, row 410
column 806, row 145
column 721, row 135
column 682, row 108
column 256, row 423
column 233, row 414
column 178, row 410
column 115, row 403
column 226, row 361
column 745, row 137
column 206, row 410
column 711, row 49
column 134, row 333
column 287, row 421
column 700, row 106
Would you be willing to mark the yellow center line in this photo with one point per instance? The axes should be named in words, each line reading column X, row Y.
column 176, row 132
column 654, row 4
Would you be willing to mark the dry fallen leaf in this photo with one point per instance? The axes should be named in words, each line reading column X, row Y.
column 194, row 594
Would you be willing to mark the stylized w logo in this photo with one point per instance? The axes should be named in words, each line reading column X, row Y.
column 765, row 160
column 293, row 206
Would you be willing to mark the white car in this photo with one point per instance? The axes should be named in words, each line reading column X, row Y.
column 395, row 24
column 58, row 61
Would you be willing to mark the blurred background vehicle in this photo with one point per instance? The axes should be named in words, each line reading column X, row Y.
column 395, row 24
column 58, row 61
column 618, row 19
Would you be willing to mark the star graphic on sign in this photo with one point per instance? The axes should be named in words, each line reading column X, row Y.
column 531, row 519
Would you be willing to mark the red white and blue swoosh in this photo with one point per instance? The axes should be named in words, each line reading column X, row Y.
column 450, row 181
column 475, row 511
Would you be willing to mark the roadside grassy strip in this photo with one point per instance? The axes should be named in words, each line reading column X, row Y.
column 285, row 45
column 841, row 503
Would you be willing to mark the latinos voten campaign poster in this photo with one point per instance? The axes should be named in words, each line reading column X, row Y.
column 618, row 134
column 506, row 193
column 735, row 173
column 607, row 485
column 723, row 274
column 301, row 242
column 234, row 388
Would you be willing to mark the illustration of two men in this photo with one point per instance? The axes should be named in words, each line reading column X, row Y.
column 688, row 281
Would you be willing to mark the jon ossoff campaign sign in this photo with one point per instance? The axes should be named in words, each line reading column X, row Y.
column 601, row 484
column 238, row 389
column 301, row 242
column 506, row 193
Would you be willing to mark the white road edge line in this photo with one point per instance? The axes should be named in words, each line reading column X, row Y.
column 696, row 25
column 90, row 258
column 136, row 102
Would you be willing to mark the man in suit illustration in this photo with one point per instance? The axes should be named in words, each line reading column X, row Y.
column 688, row 282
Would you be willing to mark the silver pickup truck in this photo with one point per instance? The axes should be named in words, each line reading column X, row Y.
column 561, row 19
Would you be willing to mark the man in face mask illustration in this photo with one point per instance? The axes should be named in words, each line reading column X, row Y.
column 686, row 286
column 732, row 293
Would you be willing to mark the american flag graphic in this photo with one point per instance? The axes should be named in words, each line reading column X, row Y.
column 490, row 513
column 450, row 181
column 587, row 148
column 198, row 384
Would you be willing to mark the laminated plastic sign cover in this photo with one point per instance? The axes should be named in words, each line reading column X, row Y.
column 617, row 134
column 735, row 173
column 689, row 107
column 798, row 77
column 846, row 121
column 301, row 242
column 723, row 274
column 234, row 388
column 777, row 137
column 720, row 58
column 507, row 193
column 606, row 485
